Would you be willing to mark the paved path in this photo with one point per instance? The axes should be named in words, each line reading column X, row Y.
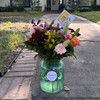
column 82, row 76
column 16, row 83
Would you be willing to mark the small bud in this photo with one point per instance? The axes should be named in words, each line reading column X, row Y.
column 66, row 43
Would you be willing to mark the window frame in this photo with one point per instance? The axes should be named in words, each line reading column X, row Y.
column 11, row 3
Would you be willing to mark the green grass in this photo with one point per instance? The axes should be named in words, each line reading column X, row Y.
column 17, row 19
column 92, row 15
column 22, row 13
column 12, row 28
column 25, row 16
column 11, row 35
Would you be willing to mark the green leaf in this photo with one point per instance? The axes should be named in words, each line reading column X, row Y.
column 70, row 49
column 76, row 32
column 41, row 29
column 59, row 36
column 46, row 23
column 51, row 24
column 66, row 28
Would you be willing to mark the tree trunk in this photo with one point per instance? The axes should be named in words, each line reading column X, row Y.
column 10, row 2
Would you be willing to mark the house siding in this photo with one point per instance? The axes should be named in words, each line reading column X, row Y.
column 43, row 3
column 65, row 3
column 98, row 2
column 4, row 3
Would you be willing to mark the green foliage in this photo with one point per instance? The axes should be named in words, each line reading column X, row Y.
column 76, row 32
column 51, row 24
column 22, row 13
column 12, row 9
column 92, row 15
column 11, row 36
column 95, row 7
column 9, row 41
column 44, row 42
column 66, row 28
column 49, row 54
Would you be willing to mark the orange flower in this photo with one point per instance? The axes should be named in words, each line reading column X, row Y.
column 75, row 41
column 69, row 36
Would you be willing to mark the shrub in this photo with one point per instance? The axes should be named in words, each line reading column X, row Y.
column 12, row 9
column 79, row 10
column 95, row 7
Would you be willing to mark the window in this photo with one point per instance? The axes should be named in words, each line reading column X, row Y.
column 86, row 2
column 25, row 3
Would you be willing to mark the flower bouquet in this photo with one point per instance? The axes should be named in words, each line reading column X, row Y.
column 52, row 43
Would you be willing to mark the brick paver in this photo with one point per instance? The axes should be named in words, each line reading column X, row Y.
column 16, row 83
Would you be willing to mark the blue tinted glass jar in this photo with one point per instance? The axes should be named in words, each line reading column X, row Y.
column 52, row 75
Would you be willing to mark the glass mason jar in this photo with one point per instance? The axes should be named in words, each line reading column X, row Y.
column 52, row 75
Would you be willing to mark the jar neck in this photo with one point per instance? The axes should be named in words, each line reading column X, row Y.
column 52, row 62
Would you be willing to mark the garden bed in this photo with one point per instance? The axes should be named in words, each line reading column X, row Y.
column 13, row 26
column 11, row 36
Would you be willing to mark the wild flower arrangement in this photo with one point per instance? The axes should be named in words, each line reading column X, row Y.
column 51, row 41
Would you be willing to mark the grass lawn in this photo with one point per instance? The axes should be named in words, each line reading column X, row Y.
column 13, row 26
column 22, row 13
column 92, row 15
column 25, row 16
column 11, row 35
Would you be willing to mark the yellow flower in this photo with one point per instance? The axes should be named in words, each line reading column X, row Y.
column 50, row 46
column 53, row 41
column 47, row 33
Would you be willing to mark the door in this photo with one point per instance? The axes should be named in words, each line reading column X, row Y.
column 55, row 4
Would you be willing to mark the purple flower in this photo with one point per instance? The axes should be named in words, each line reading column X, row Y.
column 41, row 25
column 33, row 22
column 36, row 28
column 38, row 22
column 46, row 26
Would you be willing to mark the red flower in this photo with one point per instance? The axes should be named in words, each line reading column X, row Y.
column 72, row 30
column 78, row 34
column 37, row 36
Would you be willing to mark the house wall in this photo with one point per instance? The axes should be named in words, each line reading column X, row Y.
column 65, row 3
column 98, row 2
column 4, row 3
column 43, row 3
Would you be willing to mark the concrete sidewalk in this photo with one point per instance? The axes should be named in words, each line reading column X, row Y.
column 82, row 76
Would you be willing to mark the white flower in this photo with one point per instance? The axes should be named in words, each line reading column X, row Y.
column 28, row 35
column 60, row 49
column 32, row 30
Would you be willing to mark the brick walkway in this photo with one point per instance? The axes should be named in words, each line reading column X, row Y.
column 16, row 83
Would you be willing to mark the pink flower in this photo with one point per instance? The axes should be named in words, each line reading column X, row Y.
column 66, row 35
column 60, row 49
column 41, row 25
column 36, row 29
column 46, row 27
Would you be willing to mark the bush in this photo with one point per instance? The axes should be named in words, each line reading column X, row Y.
column 79, row 10
column 95, row 7
column 12, row 9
